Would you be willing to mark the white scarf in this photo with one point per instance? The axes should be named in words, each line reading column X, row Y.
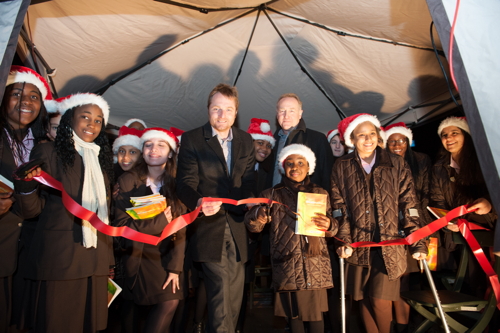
column 94, row 191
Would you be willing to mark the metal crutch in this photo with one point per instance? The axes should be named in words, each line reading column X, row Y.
column 436, row 296
column 342, row 294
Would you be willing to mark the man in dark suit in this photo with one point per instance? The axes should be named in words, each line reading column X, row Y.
column 292, row 129
column 217, row 160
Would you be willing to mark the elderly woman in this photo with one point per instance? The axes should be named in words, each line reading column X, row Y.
column 371, row 188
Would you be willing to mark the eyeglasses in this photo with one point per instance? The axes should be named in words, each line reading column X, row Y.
column 401, row 142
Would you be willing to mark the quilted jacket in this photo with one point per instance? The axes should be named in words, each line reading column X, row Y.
column 395, row 197
column 292, row 269
column 442, row 190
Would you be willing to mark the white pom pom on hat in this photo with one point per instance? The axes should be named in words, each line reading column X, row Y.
column 297, row 149
column 260, row 129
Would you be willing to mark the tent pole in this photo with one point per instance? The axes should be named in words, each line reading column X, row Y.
column 337, row 108
column 248, row 46
column 343, row 33
column 103, row 89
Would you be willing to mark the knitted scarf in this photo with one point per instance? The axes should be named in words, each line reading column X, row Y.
column 94, row 190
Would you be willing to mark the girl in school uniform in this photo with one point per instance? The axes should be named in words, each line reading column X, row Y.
column 152, row 272
column 22, row 119
column 69, row 258
column 301, row 264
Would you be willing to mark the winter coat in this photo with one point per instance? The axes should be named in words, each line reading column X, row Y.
column 395, row 207
column 422, row 182
column 171, row 249
column 442, row 191
column 292, row 268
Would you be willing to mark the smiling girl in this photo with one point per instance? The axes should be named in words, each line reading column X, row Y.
column 22, row 116
column 70, row 259
column 152, row 272
column 301, row 264
column 457, row 180
column 370, row 189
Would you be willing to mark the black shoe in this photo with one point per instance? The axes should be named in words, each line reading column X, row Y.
column 198, row 328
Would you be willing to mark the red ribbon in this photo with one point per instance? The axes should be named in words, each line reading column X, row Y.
column 465, row 229
column 180, row 222
column 175, row 225
column 418, row 234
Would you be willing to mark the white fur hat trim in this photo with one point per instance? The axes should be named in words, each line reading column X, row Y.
column 133, row 120
column 264, row 137
column 459, row 122
column 332, row 134
column 80, row 99
column 51, row 105
column 299, row 150
column 399, row 130
column 127, row 140
column 359, row 120
column 28, row 78
column 156, row 134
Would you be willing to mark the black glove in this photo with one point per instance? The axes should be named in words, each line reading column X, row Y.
column 21, row 184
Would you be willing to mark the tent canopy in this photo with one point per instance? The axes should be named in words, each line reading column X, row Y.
column 158, row 60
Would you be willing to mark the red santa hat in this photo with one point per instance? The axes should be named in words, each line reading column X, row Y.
column 347, row 125
column 159, row 133
column 260, row 129
column 177, row 133
column 460, row 122
column 399, row 128
column 331, row 134
column 127, row 137
column 20, row 74
column 133, row 120
column 297, row 149
column 79, row 99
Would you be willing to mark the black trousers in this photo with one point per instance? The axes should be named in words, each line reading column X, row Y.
column 224, row 282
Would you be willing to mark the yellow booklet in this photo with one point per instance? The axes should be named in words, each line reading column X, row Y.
column 147, row 207
column 308, row 204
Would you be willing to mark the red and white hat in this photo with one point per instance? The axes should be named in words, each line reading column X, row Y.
column 20, row 74
column 298, row 149
column 178, row 133
column 399, row 128
column 347, row 125
column 260, row 129
column 159, row 133
column 331, row 134
column 128, row 137
column 460, row 122
column 134, row 120
column 79, row 99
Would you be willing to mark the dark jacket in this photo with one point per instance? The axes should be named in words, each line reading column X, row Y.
column 292, row 269
column 422, row 182
column 442, row 193
column 319, row 145
column 56, row 252
column 10, row 223
column 394, row 194
column 171, row 249
column 202, row 172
